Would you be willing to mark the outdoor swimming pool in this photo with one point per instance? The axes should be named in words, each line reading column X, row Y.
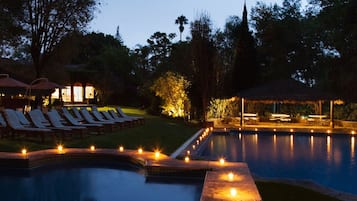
column 326, row 160
column 92, row 184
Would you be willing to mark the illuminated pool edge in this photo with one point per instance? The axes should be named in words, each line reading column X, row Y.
column 153, row 165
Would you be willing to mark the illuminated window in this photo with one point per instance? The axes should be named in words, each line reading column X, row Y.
column 66, row 94
column 78, row 93
column 89, row 92
column 55, row 94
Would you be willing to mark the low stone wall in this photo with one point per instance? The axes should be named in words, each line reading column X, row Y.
column 346, row 124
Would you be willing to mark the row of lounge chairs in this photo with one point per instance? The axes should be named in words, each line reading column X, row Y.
column 64, row 122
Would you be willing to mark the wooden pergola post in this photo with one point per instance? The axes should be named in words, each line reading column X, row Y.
column 242, row 113
column 332, row 123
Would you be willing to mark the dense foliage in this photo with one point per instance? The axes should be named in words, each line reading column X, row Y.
column 315, row 44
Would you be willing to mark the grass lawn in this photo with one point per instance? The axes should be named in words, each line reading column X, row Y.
column 166, row 135
column 156, row 133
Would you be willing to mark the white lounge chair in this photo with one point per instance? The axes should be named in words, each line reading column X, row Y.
column 16, row 126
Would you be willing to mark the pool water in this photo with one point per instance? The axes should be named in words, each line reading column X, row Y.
column 327, row 160
column 93, row 184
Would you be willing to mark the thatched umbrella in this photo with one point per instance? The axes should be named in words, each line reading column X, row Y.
column 286, row 91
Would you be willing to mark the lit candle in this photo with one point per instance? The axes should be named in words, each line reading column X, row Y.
column 187, row 159
column 60, row 148
column 24, row 151
column 140, row 150
column 157, row 154
column 92, row 148
column 121, row 148
column 221, row 161
column 230, row 176
column 233, row 192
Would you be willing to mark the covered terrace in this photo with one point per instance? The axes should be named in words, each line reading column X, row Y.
column 280, row 92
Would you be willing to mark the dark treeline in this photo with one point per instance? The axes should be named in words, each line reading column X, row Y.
column 315, row 44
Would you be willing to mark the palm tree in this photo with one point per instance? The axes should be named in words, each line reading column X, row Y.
column 181, row 20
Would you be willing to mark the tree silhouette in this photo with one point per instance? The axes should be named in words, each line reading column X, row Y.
column 48, row 22
column 181, row 20
column 245, row 70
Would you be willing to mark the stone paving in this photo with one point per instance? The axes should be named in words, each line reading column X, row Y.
column 218, row 185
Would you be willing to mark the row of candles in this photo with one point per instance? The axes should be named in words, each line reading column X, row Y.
column 352, row 132
column 60, row 150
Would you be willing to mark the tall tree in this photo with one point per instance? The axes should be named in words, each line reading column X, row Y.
column 338, row 30
column 11, row 14
column 203, row 54
column 245, row 72
column 47, row 22
column 181, row 21
column 160, row 45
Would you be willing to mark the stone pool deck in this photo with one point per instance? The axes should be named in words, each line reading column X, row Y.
column 218, row 185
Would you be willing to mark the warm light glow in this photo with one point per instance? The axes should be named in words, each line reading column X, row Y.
column 89, row 92
column 311, row 130
column 92, row 148
column 78, row 93
column 225, row 129
column 121, row 148
column 222, row 161
column 274, row 129
column 197, row 142
column 328, row 131
column 256, row 129
column 157, row 154
column 353, row 132
column 352, row 146
column 24, row 151
column 240, row 128
column 188, row 152
column 187, row 159
column 233, row 192
column 60, row 148
column 211, row 128
column 193, row 146
column 230, row 176
column 140, row 150
column 291, row 130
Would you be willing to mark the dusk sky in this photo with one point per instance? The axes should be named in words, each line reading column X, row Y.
column 139, row 19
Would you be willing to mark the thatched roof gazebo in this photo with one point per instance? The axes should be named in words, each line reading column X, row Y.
column 285, row 91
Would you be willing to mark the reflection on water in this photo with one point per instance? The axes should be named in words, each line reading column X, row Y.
column 92, row 184
column 327, row 160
